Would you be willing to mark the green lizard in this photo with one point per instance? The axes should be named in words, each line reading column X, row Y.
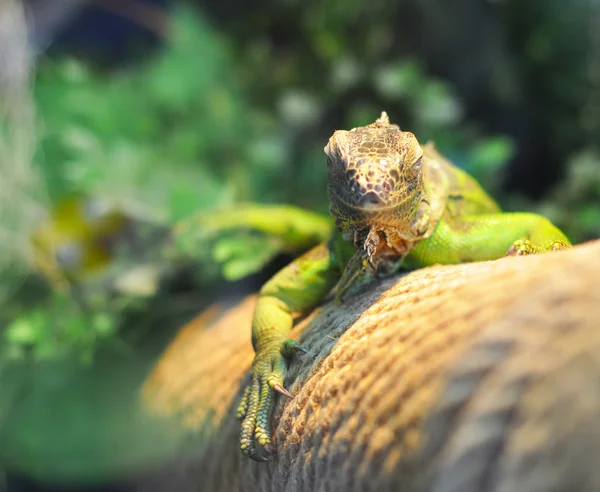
column 394, row 202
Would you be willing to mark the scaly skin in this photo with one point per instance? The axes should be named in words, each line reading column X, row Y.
column 394, row 202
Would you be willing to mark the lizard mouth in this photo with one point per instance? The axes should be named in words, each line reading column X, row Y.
column 368, row 202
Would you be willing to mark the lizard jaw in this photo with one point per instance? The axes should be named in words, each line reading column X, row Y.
column 383, row 249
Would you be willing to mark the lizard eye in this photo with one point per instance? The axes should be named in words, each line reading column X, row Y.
column 418, row 165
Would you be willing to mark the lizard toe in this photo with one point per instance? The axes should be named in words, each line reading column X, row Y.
column 522, row 247
column 242, row 408
column 257, row 403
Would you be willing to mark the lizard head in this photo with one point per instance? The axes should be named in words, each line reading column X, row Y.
column 376, row 182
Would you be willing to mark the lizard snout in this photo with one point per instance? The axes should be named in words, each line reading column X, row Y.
column 370, row 200
column 366, row 193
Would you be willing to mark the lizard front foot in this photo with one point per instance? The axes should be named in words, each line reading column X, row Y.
column 255, row 408
column 522, row 247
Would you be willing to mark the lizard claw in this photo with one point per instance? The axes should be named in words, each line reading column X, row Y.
column 291, row 347
column 300, row 348
column 256, row 456
column 282, row 391
column 270, row 449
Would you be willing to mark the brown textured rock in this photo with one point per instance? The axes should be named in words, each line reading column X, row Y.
column 474, row 377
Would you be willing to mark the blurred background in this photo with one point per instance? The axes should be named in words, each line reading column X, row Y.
column 122, row 120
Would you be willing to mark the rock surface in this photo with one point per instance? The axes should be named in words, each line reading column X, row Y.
column 473, row 377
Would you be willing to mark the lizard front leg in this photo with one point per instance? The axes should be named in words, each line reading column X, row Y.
column 296, row 288
column 487, row 237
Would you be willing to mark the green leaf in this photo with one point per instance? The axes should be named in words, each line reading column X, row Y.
column 22, row 331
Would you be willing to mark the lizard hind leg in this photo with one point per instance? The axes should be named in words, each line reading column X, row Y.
column 537, row 234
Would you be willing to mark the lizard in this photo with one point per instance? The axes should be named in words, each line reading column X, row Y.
column 395, row 203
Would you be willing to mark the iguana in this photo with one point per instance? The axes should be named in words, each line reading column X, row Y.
column 395, row 203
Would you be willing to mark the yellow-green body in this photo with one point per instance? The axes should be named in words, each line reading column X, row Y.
column 394, row 202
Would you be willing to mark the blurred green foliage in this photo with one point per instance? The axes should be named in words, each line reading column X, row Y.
column 178, row 133
column 145, row 138
column 212, row 121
